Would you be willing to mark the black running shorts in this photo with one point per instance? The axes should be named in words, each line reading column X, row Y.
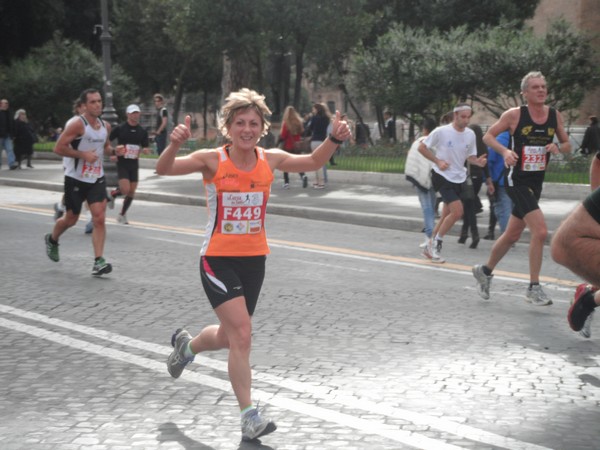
column 449, row 191
column 228, row 277
column 525, row 199
column 76, row 192
column 128, row 169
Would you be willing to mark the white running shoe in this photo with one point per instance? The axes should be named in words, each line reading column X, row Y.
column 536, row 296
column 436, row 249
column 483, row 281
column 122, row 218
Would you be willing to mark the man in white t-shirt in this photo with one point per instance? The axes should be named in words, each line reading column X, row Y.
column 449, row 147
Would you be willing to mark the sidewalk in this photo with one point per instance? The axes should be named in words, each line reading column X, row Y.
column 359, row 198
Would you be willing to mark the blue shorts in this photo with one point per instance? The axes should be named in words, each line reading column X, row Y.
column 228, row 277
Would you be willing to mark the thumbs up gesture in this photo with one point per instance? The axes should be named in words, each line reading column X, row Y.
column 182, row 132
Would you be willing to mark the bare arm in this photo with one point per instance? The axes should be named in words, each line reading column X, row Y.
column 507, row 121
column 288, row 162
column 203, row 161
column 427, row 153
column 72, row 131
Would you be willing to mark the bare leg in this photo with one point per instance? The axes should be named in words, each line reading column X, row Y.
column 539, row 232
column 98, row 211
column 576, row 245
column 595, row 173
column 450, row 215
column 506, row 240
column 235, row 333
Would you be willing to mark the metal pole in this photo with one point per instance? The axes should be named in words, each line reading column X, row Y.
column 109, row 113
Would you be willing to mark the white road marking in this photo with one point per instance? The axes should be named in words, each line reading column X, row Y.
column 321, row 392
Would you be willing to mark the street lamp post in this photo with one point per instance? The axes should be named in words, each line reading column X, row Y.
column 109, row 114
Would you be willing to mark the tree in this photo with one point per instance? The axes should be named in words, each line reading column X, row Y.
column 425, row 73
column 51, row 77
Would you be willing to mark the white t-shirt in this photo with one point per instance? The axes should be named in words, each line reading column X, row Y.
column 454, row 147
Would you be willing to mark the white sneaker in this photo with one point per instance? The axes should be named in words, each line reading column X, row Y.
column 122, row 218
column 255, row 426
column 483, row 281
column 436, row 249
column 425, row 243
column 536, row 296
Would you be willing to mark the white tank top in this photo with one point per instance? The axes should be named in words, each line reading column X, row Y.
column 91, row 141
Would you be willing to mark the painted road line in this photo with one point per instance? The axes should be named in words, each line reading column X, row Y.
column 320, row 391
column 364, row 425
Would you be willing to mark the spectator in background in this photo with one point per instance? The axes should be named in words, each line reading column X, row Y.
column 418, row 172
column 162, row 122
column 362, row 133
column 317, row 129
column 500, row 203
column 591, row 138
column 389, row 127
column 24, row 138
column 290, row 138
column 472, row 206
column 7, row 132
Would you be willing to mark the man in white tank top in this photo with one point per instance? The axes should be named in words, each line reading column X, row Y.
column 82, row 145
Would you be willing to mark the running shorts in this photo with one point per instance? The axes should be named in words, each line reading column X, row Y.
column 76, row 192
column 228, row 277
column 128, row 169
column 525, row 199
column 449, row 191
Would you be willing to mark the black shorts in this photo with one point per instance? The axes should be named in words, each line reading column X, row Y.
column 128, row 169
column 525, row 199
column 76, row 192
column 449, row 191
column 228, row 277
column 592, row 204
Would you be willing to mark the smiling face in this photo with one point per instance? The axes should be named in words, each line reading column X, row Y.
column 245, row 129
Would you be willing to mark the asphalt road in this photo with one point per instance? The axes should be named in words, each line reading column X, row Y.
column 358, row 342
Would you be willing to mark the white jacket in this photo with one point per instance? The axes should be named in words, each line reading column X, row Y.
column 418, row 168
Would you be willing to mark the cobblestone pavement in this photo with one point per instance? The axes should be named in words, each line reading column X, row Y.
column 358, row 343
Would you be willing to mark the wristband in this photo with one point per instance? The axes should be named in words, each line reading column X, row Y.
column 335, row 140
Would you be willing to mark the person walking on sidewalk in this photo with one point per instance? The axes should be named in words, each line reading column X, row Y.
column 132, row 140
column 162, row 122
column 533, row 128
column 237, row 178
column 290, row 138
column 449, row 147
column 7, row 132
column 84, row 177
column 418, row 172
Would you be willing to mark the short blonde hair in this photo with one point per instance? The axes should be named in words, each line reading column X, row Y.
column 243, row 100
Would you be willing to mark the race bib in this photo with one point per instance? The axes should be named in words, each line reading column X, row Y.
column 132, row 151
column 241, row 212
column 91, row 170
column 533, row 158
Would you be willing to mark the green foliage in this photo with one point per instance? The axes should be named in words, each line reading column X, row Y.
column 51, row 77
column 425, row 73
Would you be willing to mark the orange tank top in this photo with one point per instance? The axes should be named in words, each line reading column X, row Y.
column 237, row 204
